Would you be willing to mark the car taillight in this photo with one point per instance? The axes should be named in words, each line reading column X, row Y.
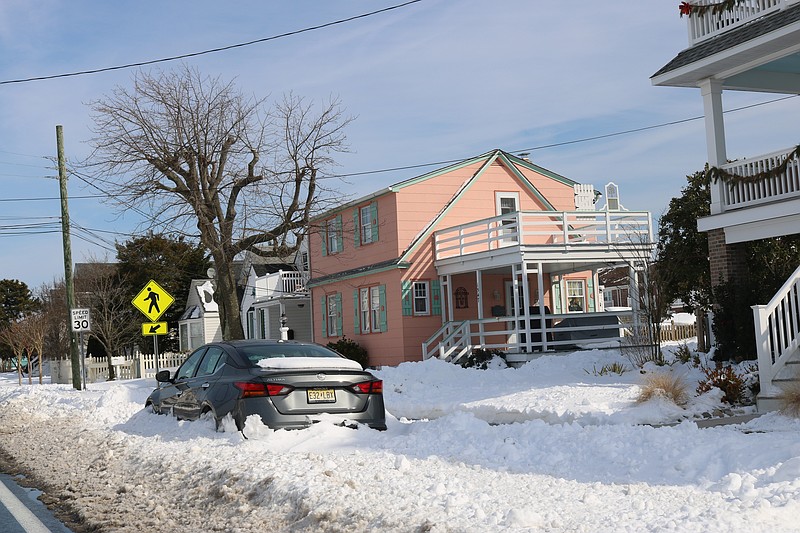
column 368, row 387
column 253, row 390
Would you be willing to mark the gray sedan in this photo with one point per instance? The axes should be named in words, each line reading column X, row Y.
column 287, row 383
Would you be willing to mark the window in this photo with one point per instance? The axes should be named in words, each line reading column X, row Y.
column 262, row 323
column 370, row 305
column 365, row 222
column 251, row 324
column 576, row 296
column 421, row 298
column 210, row 361
column 507, row 203
column 364, row 305
column 332, row 240
column 189, row 366
column 332, row 315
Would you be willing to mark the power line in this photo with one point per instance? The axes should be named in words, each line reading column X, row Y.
column 212, row 50
column 105, row 194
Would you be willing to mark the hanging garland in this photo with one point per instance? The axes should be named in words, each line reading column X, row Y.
column 689, row 9
column 715, row 173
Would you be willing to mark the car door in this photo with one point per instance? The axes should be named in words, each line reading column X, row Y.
column 172, row 396
column 199, row 386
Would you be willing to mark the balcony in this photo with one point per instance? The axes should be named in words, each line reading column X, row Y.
column 784, row 186
column 549, row 235
column 708, row 25
column 281, row 284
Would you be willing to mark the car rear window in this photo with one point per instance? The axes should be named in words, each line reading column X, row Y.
column 267, row 351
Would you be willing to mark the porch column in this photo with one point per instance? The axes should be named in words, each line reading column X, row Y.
column 515, row 293
column 526, row 302
column 479, row 285
column 715, row 135
column 542, row 320
column 446, row 282
column 633, row 296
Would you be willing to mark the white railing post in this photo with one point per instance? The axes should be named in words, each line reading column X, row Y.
column 766, row 369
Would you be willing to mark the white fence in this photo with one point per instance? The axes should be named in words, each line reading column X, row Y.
column 139, row 366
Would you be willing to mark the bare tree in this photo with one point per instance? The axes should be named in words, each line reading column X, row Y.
column 196, row 151
column 54, row 305
column 34, row 330
column 12, row 336
column 114, row 323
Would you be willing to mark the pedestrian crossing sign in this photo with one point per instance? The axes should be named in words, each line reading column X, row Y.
column 152, row 301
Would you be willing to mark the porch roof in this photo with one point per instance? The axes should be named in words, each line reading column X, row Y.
column 359, row 271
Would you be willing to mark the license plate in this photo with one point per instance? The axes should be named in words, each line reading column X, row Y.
column 321, row 395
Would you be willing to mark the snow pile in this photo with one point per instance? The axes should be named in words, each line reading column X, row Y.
column 555, row 445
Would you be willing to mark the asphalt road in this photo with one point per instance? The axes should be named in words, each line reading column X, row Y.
column 21, row 512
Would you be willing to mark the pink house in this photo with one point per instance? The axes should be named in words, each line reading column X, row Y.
column 489, row 252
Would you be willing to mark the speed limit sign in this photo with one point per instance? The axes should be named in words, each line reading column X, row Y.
column 81, row 320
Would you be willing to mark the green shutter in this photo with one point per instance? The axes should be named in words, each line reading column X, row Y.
column 356, row 228
column 382, row 299
column 356, row 325
column 556, row 285
column 373, row 215
column 338, row 300
column 590, row 294
column 405, row 293
column 436, row 298
column 325, row 240
column 339, row 237
column 324, row 316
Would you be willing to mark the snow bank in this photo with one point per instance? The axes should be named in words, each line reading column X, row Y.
column 553, row 445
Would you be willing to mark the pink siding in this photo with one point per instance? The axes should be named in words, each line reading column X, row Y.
column 403, row 215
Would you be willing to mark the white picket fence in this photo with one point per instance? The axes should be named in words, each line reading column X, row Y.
column 139, row 366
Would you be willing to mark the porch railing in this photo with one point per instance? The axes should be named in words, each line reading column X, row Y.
column 565, row 230
column 778, row 332
column 745, row 194
column 707, row 25
column 512, row 334
column 282, row 283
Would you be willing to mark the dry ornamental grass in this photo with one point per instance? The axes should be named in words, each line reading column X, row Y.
column 664, row 385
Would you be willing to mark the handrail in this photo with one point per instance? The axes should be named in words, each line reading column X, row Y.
column 777, row 327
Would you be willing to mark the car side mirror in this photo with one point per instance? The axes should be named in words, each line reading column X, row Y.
column 162, row 376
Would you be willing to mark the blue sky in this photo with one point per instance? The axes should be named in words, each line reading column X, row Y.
column 433, row 81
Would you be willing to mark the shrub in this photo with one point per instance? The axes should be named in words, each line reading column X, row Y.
column 790, row 399
column 480, row 357
column 683, row 353
column 352, row 350
column 664, row 385
column 641, row 354
column 726, row 379
column 613, row 368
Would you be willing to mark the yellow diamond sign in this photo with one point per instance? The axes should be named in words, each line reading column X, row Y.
column 152, row 301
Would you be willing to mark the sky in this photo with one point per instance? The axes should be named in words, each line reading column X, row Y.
column 431, row 82
column 556, row 445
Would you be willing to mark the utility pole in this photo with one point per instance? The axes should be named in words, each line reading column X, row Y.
column 68, row 285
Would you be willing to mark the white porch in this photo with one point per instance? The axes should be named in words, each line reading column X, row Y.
column 532, row 253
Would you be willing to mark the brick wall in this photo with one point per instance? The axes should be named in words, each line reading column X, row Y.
column 727, row 261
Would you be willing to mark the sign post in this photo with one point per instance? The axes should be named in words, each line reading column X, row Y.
column 81, row 321
column 152, row 301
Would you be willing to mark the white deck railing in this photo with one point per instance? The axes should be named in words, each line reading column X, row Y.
column 521, row 334
column 282, row 283
column 702, row 27
column 563, row 230
column 781, row 187
column 778, row 332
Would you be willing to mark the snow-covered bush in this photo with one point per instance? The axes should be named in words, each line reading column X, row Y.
column 665, row 385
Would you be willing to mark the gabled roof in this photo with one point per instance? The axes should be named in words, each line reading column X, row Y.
column 732, row 38
column 509, row 159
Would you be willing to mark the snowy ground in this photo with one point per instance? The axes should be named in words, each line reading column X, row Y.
column 550, row 446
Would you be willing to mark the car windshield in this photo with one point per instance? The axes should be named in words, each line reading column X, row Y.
column 259, row 352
